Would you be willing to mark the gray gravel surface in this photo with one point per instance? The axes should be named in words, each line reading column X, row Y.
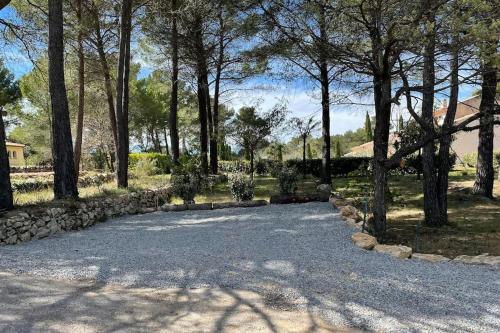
column 297, row 255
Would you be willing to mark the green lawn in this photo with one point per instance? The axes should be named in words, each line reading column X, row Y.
column 474, row 221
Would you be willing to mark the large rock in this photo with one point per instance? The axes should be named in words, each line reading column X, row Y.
column 350, row 212
column 324, row 188
column 398, row 251
column 430, row 257
column 482, row 259
column 364, row 241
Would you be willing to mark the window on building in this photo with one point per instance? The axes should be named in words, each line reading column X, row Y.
column 9, row 153
column 14, row 154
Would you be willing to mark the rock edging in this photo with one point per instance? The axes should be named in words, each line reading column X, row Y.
column 45, row 220
column 367, row 242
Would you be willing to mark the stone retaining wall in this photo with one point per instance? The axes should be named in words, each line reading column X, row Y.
column 39, row 222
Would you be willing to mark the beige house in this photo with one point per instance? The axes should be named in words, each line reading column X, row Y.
column 16, row 154
column 464, row 143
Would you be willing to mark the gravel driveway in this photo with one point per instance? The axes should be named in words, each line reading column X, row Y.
column 297, row 256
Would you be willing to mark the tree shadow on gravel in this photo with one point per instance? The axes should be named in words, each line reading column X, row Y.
column 264, row 268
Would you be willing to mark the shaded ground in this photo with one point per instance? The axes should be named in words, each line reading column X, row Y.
column 33, row 304
column 474, row 221
column 296, row 257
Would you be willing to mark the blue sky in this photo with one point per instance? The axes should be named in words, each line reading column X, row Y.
column 301, row 99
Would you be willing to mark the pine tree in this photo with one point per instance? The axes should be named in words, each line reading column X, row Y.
column 309, row 152
column 401, row 124
column 368, row 128
column 338, row 153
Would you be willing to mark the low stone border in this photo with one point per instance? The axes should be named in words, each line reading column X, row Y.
column 214, row 205
column 44, row 220
column 365, row 241
column 291, row 199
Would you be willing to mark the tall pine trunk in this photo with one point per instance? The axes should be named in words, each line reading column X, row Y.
column 107, row 80
column 485, row 177
column 172, row 117
column 62, row 145
column 445, row 141
column 122, row 93
column 304, row 166
column 382, row 98
column 6, row 198
column 431, row 206
column 326, row 174
column 81, row 90
column 202, row 82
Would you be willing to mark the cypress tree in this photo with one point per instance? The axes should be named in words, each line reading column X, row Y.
column 368, row 128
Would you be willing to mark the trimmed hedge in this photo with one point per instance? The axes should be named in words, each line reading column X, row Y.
column 470, row 159
column 38, row 183
column 163, row 162
column 341, row 166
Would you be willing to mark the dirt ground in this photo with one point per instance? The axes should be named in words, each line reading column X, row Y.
column 32, row 304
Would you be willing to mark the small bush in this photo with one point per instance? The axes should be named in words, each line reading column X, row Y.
column 162, row 161
column 470, row 159
column 242, row 188
column 146, row 167
column 287, row 180
column 185, row 186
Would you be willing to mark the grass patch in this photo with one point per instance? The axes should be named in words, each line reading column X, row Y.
column 473, row 228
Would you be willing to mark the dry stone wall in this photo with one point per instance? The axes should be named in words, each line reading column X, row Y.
column 39, row 222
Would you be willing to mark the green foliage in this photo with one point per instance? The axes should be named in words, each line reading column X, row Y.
column 185, row 186
column 309, row 153
column 470, row 159
column 145, row 167
column 32, row 184
column 287, row 180
column 162, row 162
column 342, row 166
column 234, row 166
column 9, row 87
column 241, row 187
column 368, row 128
column 338, row 151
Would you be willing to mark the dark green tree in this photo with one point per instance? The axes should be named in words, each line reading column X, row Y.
column 368, row 128
column 251, row 130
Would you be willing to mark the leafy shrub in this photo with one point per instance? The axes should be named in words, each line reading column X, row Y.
column 470, row 159
column 185, row 186
column 33, row 184
column 287, row 180
column 234, row 166
column 146, row 167
column 162, row 161
column 261, row 168
column 242, row 188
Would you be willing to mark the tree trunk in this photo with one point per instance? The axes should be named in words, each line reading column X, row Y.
column 62, row 145
column 382, row 98
column 122, row 95
column 6, row 198
column 202, row 98
column 174, row 132
column 165, row 137
column 251, row 162
column 304, row 166
column 445, row 141
column 107, row 80
column 215, row 114
column 326, row 174
column 431, row 206
column 485, row 177
column 4, row 3
column 81, row 91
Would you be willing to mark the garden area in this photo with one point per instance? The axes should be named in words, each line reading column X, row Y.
column 473, row 220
